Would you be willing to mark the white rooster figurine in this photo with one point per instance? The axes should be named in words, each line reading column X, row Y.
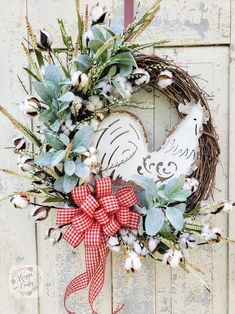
column 121, row 143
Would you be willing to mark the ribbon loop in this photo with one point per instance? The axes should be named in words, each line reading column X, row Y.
column 79, row 194
column 65, row 215
column 82, row 222
column 109, row 203
column 103, row 187
column 123, row 216
column 112, row 227
column 126, row 197
column 101, row 216
column 89, row 205
column 134, row 220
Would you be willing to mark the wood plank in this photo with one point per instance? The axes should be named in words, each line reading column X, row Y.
column 17, row 237
column 137, row 290
column 44, row 14
column 195, row 22
column 186, row 294
column 231, row 228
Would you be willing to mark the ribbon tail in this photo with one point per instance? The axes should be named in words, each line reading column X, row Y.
column 83, row 280
column 97, row 281
column 118, row 309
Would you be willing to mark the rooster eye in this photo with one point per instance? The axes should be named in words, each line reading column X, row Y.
column 195, row 119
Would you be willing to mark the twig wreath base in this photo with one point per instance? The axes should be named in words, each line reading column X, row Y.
column 87, row 155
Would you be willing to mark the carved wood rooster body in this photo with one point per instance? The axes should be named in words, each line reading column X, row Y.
column 121, row 143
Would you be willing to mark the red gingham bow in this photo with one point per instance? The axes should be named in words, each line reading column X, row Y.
column 96, row 218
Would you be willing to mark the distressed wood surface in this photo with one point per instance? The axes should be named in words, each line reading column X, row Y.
column 193, row 22
column 155, row 289
column 17, row 236
column 181, row 293
column 231, row 168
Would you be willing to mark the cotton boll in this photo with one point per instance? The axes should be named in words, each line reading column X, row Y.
column 68, row 127
column 211, row 234
column 132, row 254
column 152, row 244
column 131, row 239
column 25, row 163
column 98, row 15
column 31, row 106
column 113, row 241
column 143, row 251
column 20, row 201
column 128, row 264
column 106, row 88
column 191, row 184
column 54, row 235
column 87, row 36
column 173, row 257
column 176, row 259
column 186, row 240
column 94, row 103
column 44, row 39
column 137, row 263
column 115, row 249
column 19, row 143
column 39, row 213
column 114, row 244
column 137, row 247
column 95, row 123
column 228, row 206
column 123, row 232
column 141, row 76
column 79, row 80
column 165, row 79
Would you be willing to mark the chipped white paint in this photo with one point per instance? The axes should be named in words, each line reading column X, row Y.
column 154, row 290
column 183, row 22
column 231, row 179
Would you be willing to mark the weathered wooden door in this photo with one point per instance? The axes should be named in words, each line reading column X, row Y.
column 201, row 38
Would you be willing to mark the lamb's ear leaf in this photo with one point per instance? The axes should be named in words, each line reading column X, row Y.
column 53, row 141
column 57, row 157
column 69, row 183
column 147, row 183
column 82, row 170
column 43, row 92
column 175, row 216
column 83, row 137
column 52, row 74
column 58, row 184
column 154, row 221
column 69, row 167
column 67, row 97
column 44, row 159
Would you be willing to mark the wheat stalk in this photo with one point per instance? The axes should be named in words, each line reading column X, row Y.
column 23, row 129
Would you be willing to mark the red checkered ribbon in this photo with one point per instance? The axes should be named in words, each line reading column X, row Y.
column 94, row 219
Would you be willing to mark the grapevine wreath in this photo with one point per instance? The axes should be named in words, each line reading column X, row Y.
column 90, row 163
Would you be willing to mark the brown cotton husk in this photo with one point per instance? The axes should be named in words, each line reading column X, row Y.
column 185, row 90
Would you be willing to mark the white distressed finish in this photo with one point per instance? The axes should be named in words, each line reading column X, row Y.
column 193, row 22
column 127, row 288
column 231, row 229
column 186, row 295
column 154, row 290
column 121, row 136
column 17, row 236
